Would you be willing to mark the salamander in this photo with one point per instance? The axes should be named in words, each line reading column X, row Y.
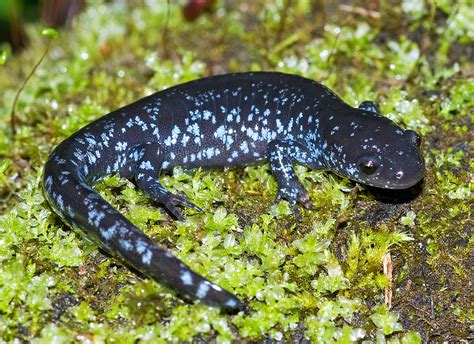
column 225, row 120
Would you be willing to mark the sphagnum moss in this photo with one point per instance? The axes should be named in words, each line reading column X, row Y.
column 321, row 278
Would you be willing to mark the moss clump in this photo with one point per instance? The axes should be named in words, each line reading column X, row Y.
column 321, row 278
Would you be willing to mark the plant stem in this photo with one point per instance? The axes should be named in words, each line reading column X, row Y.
column 28, row 77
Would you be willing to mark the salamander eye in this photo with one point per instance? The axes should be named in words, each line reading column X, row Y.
column 368, row 165
column 413, row 137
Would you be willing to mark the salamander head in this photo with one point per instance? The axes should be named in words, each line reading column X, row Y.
column 372, row 150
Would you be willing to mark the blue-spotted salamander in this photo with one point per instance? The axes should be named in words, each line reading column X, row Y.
column 226, row 120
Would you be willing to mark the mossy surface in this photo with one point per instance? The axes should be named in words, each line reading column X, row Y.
column 320, row 280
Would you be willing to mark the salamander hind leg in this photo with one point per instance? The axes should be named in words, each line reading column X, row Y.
column 126, row 241
column 144, row 168
column 281, row 156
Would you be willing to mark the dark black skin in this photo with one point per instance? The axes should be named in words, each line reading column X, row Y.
column 227, row 120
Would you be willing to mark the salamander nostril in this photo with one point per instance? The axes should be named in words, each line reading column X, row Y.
column 399, row 175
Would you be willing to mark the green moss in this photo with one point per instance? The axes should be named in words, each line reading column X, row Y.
column 386, row 321
column 408, row 111
column 323, row 328
column 3, row 57
column 321, row 278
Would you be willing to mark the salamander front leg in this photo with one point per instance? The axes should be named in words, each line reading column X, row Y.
column 144, row 167
column 369, row 106
column 281, row 156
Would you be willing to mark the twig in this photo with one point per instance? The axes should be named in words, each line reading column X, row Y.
column 283, row 17
column 164, row 35
column 360, row 10
column 387, row 270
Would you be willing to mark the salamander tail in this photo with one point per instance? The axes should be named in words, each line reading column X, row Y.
column 80, row 206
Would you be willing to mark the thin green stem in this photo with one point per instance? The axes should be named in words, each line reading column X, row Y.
column 17, row 95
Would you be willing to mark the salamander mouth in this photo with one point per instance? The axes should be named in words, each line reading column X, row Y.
column 400, row 186
column 397, row 184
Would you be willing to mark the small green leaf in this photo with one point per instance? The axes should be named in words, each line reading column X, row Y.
column 385, row 320
column 3, row 57
column 411, row 338
column 83, row 312
column 4, row 165
column 49, row 32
